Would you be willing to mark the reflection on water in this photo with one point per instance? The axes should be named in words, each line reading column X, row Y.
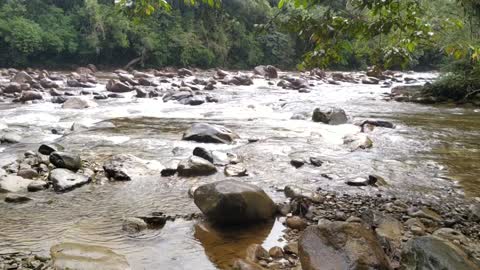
column 429, row 147
column 224, row 245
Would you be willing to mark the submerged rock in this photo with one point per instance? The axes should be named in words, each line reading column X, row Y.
column 16, row 198
column 195, row 166
column 64, row 180
column 124, row 167
column 341, row 245
column 134, row 225
column 430, row 252
column 78, row 103
column 10, row 137
column 333, row 116
column 358, row 141
column 207, row 133
column 86, row 257
column 234, row 202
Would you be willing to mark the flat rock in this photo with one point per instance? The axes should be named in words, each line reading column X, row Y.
column 207, row 133
column 71, row 256
column 64, row 180
column 124, row 167
column 12, row 183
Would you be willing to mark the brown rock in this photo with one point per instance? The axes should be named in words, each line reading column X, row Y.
column 296, row 223
column 341, row 245
column 276, row 252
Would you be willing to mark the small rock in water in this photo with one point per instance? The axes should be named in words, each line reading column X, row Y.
column 16, row 198
column 195, row 166
column 10, row 138
column 134, row 225
column 170, row 169
column 235, row 170
column 38, row 185
column 78, row 103
column 28, row 173
column 276, row 252
column 296, row 223
column 47, row 149
column 65, row 180
column 207, row 133
column 358, row 141
column 316, row 162
column 358, row 182
column 66, row 160
column 203, row 153
column 256, row 252
column 297, row 162
column 332, row 116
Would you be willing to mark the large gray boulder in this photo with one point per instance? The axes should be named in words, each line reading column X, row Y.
column 66, row 160
column 64, row 180
column 234, row 202
column 432, row 253
column 341, row 245
column 86, row 257
column 207, row 133
column 332, row 116
column 196, row 166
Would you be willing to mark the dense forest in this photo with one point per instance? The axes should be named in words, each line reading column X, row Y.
column 55, row 32
column 239, row 34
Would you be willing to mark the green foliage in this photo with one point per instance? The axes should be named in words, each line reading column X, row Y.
column 184, row 33
column 393, row 29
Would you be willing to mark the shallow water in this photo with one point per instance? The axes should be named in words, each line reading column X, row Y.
column 433, row 150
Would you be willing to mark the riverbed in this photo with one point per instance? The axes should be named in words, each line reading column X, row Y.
column 433, row 151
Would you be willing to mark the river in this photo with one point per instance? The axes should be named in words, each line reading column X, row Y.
column 434, row 150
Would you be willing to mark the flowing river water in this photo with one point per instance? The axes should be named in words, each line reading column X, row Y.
column 434, row 150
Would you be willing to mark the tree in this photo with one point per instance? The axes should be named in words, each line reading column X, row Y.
column 396, row 26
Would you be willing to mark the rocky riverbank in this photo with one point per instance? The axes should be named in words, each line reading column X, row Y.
column 320, row 170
